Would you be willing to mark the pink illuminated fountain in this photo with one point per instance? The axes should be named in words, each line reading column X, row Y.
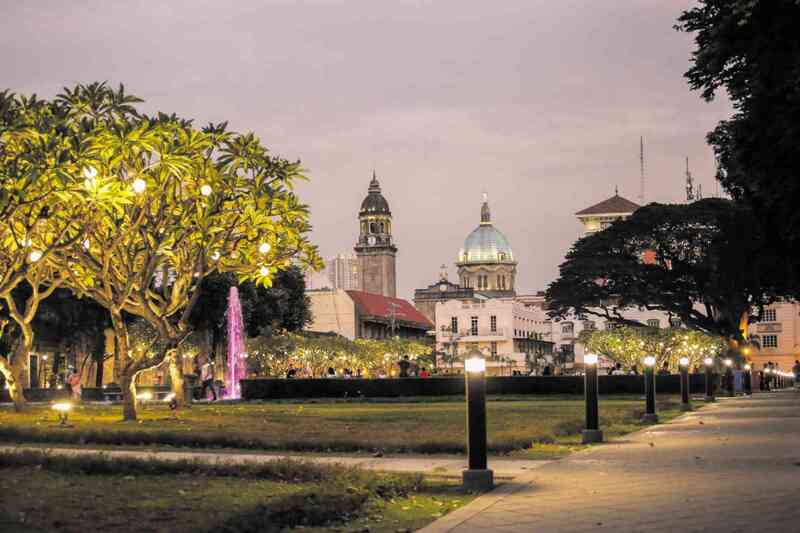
column 236, row 353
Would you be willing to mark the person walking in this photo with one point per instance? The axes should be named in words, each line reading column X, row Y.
column 74, row 381
column 207, row 377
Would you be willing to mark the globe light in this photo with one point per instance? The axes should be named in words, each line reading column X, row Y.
column 139, row 185
column 747, row 367
column 590, row 359
column 475, row 364
column 728, row 362
column 684, row 361
column 708, row 361
column 263, row 271
column 649, row 360
column 264, row 248
column 206, row 190
column 35, row 256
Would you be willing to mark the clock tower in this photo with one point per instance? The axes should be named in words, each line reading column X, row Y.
column 375, row 249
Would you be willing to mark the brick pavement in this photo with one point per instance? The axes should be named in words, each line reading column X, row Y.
column 733, row 466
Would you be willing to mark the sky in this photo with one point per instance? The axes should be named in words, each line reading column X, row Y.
column 540, row 104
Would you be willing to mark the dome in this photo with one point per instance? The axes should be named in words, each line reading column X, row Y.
column 374, row 203
column 486, row 244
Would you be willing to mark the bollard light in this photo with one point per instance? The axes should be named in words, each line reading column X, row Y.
column 63, row 410
column 592, row 432
column 728, row 362
column 684, row 368
column 748, row 380
column 478, row 477
column 709, row 379
column 650, row 415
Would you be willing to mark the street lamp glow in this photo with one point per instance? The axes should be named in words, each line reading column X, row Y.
column 728, row 362
column 684, row 361
column 264, row 248
column 139, row 185
column 649, row 360
column 206, row 190
column 475, row 364
column 708, row 361
column 590, row 359
column 35, row 256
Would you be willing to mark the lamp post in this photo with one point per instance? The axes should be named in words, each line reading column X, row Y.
column 684, row 364
column 478, row 477
column 729, row 377
column 709, row 362
column 592, row 432
column 748, row 380
column 650, row 415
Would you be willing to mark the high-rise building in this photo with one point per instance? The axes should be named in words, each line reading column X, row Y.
column 342, row 272
column 375, row 249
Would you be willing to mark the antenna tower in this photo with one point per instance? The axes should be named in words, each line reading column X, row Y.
column 641, row 170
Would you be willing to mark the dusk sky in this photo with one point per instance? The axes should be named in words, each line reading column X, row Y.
column 539, row 103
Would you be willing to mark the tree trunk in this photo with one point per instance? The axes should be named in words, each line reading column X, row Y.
column 14, row 380
column 176, row 377
column 124, row 367
column 127, row 381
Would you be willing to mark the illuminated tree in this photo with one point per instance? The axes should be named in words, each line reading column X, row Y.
column 183, row 204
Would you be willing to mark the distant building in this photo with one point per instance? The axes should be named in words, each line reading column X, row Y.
column 343, row 272
column 599, row 216
column 363, row 315
column 443, row 290
column 778, row 334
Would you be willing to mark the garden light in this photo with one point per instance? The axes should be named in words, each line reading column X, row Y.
column 478, row 476
column 708, row 361
column 684, row 361
column 684, row 369
column 591, row 433
column 63, row 410
column 139, row 185
column 747, row 367
column 728, row 362
column 264, row 248
column 649, row 361
column 205, row 190
column 709, row 379
column 650, row 416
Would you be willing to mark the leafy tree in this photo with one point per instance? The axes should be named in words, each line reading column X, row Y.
column 751, row 49
column 171, row 205
column 700, row 262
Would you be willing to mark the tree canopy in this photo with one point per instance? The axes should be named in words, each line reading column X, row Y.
column 700, row 262
column 751, row 50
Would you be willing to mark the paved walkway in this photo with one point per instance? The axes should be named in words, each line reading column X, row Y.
column 440, row 465
column 734, row 466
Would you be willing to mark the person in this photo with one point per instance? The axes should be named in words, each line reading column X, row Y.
column 664, row 368
column 547, row 371
column 207, row 377
column 796, row 372
column 634, row 371
column 291, row 372
column 74, row 381
column 617, row 370
column 404, row 366
column 331, row 372
column 424, row 373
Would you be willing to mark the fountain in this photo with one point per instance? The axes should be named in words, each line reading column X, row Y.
column 236, row 353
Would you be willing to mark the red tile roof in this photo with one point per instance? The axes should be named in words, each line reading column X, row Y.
column 369, row 304
column 615, row 204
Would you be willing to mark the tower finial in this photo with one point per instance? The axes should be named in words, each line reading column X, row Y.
column 374, row 186
column 486, row 216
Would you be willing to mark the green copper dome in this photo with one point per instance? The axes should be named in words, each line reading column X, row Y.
column 486, row 244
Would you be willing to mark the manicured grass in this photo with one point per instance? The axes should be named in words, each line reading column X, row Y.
column 47, row 493
column 541, row 427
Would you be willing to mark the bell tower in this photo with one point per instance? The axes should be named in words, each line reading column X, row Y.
column 375, row 249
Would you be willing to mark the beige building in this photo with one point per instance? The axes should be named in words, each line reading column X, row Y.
column 778, row 334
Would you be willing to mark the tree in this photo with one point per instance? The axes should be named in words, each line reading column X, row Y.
column 170, row 205
column 751, row 49
column 628, row 345
column 700, row 262
column 40, row 214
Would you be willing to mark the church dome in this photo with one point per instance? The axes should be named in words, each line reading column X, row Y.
column 486, row 244
column 374, row 203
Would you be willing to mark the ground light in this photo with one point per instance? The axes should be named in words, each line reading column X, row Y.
column 709, row 362
column 650, row 415
column 748, row 380
column 478, row 477
column 592, row 432
column 684, row 367
column 63, row 409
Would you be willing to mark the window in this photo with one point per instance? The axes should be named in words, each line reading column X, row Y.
column 373, row 228
column 454, row 324
column 493, row 324
column 654, row 323
column 494, row 349
column 567, row 328
column 589, row 325
column 769, row 315
column 769, row 341
column 473, row 325
column 674, row 322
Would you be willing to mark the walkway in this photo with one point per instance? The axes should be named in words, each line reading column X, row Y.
column 438, row 465
column 734, row 466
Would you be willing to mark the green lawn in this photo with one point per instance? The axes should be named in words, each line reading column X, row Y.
column 78, row 495
column 540, row 427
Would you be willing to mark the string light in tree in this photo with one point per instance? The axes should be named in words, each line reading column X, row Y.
column 139, row 185
column 264, row 248
column 35, row 256
column 206, row 190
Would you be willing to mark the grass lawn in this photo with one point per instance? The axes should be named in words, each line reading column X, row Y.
column 543, row 427
column 74, row 495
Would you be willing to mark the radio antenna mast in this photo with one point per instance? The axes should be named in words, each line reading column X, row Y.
column 641, row 170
